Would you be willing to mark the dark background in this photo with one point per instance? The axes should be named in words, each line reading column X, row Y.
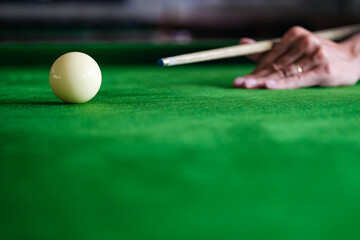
column 166, row 20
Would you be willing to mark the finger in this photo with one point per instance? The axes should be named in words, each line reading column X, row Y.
column 308, row 79
column 262, row 72
column 239, row 82
column 242, row 82
column 282, row 47
column 247, row 40
column 305, row 45
column 305, row 63
column 251, row 83
column 278, row 50
column 320, row 57
column 254, row 57
column 257, row 81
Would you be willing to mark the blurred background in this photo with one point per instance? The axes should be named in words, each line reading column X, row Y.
column 180, row 21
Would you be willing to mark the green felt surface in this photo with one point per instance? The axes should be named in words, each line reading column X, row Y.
column 177, row 153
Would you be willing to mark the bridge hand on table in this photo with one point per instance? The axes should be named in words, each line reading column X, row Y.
column 302, row 59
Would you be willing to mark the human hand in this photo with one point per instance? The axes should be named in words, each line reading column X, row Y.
column 302, row 59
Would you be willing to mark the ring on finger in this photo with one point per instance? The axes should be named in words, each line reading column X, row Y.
column 299, row 69
column 293, row 70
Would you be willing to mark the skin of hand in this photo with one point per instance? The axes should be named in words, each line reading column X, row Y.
column 324, row 63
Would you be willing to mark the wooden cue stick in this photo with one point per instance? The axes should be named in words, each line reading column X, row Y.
column 248, row 49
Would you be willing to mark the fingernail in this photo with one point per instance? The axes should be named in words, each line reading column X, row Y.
column 270, row 83
column 239, row 81
column 250, row 82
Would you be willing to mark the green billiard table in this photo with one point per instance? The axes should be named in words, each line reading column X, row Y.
column 173, row 153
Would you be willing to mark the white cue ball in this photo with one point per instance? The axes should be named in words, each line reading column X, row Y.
column 75, row 77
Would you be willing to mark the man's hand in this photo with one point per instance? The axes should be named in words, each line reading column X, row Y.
column 302, row 59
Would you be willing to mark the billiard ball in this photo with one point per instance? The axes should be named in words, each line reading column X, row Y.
column 75, row 77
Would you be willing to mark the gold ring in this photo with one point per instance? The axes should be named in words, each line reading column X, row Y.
column 299, row 69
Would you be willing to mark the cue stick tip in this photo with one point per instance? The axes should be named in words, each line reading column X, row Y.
column 163, row 62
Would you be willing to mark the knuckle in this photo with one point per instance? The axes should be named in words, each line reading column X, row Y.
column 296, row 29
column 295, row 32
column 321, row 55
column 307, row 41
column 315, row 40
column 327, row 69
